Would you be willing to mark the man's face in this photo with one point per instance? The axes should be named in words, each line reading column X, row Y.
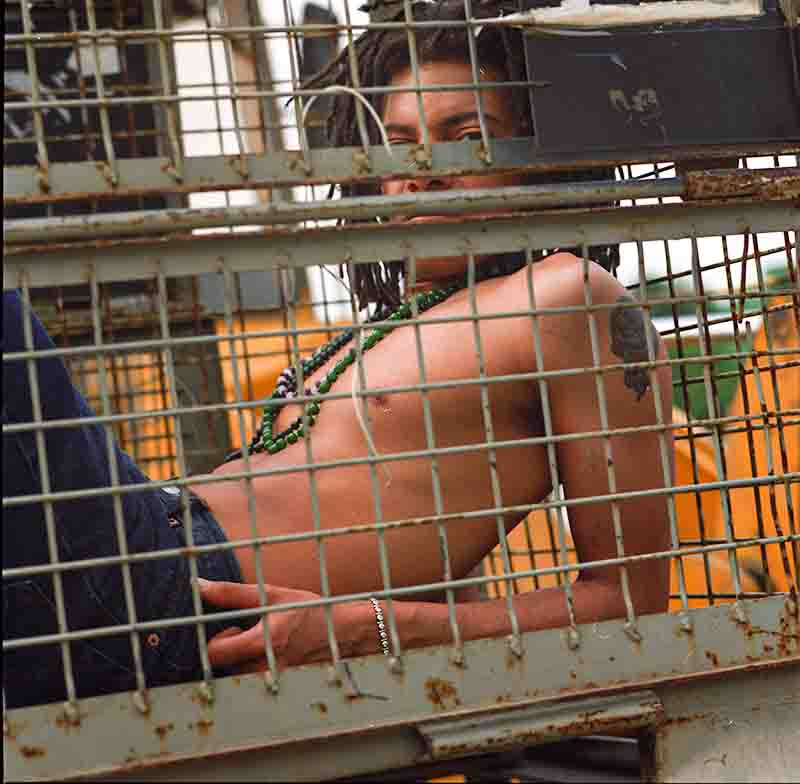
column 450, row 116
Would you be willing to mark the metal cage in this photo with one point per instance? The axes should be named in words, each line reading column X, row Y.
column 172, row 216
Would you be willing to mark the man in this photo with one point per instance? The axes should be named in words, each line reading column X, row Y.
column 346, row 493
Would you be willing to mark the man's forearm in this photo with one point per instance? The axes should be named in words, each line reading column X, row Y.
column 425, row 623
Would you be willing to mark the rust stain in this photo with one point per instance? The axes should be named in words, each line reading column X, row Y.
column 204, row 726
column 30, row 752
column 772, row 184
column 441, row 692
column 713, row 658
column 199, row 697
column 512, row 660
column 679, row 721
column 585, row 724
column 63, row 722
column 320, row 706
column 162, row 730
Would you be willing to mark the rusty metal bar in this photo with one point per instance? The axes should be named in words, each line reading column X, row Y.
column 282, row 168
column 456, row 202
column 450, row 738
column 240, row 719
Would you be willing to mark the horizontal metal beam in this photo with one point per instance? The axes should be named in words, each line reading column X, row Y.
column 253, row 727
column 148, row 176
column 771, row 184
column 434, row 203
column 139, row 259
column 452, row 738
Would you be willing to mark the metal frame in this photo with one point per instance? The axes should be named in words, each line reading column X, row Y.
column 445, row 702
column 196, row 731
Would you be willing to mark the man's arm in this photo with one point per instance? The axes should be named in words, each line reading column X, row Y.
column 299, row 636
column 614, row 464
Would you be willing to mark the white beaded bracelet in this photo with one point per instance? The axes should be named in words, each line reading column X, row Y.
column 381, row 626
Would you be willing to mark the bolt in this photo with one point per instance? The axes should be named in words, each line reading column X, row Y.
column 737, row 612
column 515, row 645
column 297, row 161
column 361, row 162
column 271, row 682
column 71, row 714
column 420, row 156
column 206, row 693
column 239, row 165
column 43, row 181
column 632, row 632
column 140, row 703
column 173, row 172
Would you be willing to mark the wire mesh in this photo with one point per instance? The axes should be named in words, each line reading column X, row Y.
column 491, row 463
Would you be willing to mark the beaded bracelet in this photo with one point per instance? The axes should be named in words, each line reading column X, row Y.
column 381, row 626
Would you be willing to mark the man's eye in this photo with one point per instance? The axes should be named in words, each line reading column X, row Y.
column 473, row 136
column 401, row 141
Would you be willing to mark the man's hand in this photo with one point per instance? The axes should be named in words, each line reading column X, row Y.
column 298, row 636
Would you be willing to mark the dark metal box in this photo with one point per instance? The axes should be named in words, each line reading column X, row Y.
column 723, row 81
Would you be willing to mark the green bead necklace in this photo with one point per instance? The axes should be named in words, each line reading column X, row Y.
column 266, row 440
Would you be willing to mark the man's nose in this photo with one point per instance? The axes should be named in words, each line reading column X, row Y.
column 428, row 184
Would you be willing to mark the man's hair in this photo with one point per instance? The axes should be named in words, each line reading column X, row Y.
column 381, row 54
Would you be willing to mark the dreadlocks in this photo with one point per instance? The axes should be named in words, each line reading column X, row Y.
column 380, row 54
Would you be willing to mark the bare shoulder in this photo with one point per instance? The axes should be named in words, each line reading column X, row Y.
column 562, row 290
column 564, row 280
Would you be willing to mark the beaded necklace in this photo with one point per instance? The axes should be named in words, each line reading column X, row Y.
column 266, row 440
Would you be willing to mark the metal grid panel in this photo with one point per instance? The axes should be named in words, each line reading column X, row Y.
column 178, row 376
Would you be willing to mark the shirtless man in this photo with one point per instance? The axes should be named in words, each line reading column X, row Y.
column 283, row 500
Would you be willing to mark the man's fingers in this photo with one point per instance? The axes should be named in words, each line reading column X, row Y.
column 228, row 650
column 229, row 595
column 231, row 631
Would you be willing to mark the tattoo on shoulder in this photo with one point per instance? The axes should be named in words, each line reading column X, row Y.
column 629, row 342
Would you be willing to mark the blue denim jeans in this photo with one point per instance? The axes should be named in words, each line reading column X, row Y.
column 77, row 459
